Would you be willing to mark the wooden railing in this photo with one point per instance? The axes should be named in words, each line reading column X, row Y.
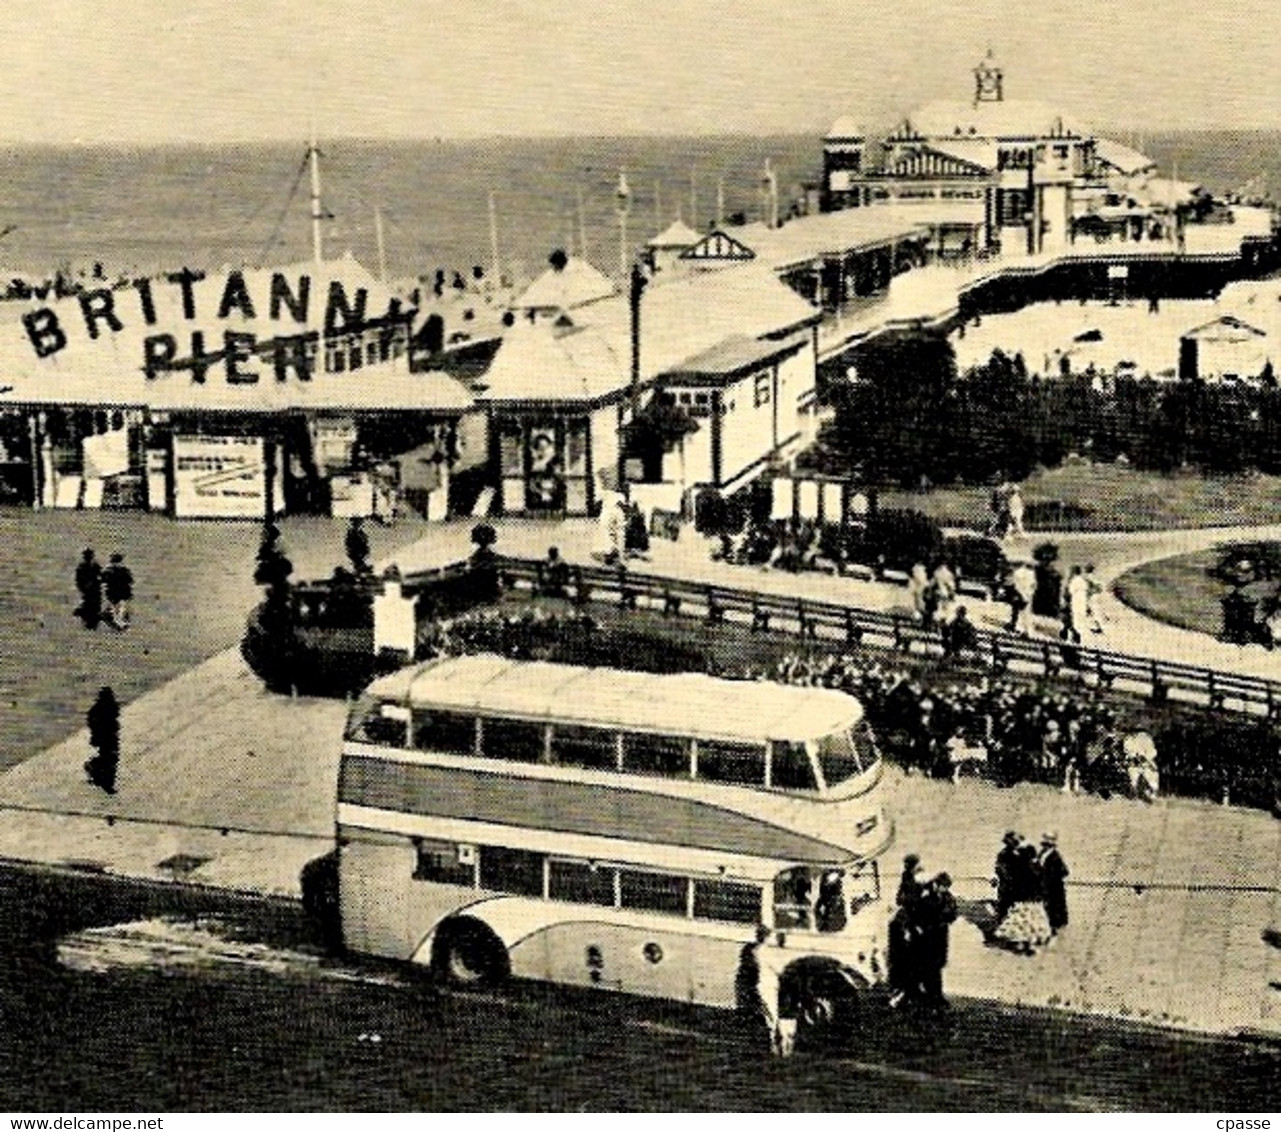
column 832, row 622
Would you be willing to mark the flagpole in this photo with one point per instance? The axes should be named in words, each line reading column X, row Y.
column 624, row 198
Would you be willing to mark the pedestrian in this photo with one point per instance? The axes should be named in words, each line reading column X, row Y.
column 904, row 977
column 911, row 882
column 943, row 584
column 918, row 587
column 1022, row 592
column 960, row 638
column 357, row 543
column 1014, row 513
column 1092, row 593
column 89, row 586
column 781, row 1031
column 1006, row 870
column 117, row 588
column 1025, row 926
column 1053, row 873
column 937, row 914
column 103, row 720
column 1076, row 602
column 555, row 574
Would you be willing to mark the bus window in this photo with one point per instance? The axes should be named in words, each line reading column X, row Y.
column 517, row 871
column 790, row 767
column 725, row 900
column 373, row 721
column 445, row 731
column 794, row 899
column 517, row 739
column 655, row 892
column 591, row 747
column 580, row 882
column 438, row 861
column 656, row 754
column 731, row 762
column 838, row 756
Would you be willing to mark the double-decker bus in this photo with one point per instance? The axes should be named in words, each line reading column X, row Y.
column 613, row 829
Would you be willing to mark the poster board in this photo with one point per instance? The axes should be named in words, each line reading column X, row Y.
column 219, row 477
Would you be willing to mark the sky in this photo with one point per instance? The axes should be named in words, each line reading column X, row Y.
column 123, row 71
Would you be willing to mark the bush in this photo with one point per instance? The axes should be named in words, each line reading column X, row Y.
column 972, row 556
column 1056, row 514
column 897, row 539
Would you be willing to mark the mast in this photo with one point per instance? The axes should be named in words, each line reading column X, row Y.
column 382, row 249
column 693, row 195
column 493, row 240
column 317, row 247
column 582, row 225
column 623, row 198
column 720, row 202
column 658, row 206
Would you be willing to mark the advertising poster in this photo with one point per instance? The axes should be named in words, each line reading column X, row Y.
column 219, row 477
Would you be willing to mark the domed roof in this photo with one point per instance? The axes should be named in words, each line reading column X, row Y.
column 845, row 128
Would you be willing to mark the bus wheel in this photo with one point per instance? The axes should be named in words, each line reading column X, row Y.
column 467, row 953
column 825, row 999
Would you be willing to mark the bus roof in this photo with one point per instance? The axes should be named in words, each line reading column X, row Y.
column 688, row 703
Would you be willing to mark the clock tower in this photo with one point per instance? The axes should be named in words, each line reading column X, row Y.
column 988, row 81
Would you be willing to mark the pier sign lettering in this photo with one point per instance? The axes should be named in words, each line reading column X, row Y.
column 103, row 312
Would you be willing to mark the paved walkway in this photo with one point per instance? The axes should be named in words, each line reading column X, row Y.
column 1172, row 904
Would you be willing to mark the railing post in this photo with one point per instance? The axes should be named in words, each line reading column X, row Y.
column 808, row 627
column 671, row 603
column 1160, row 689
column 715, row 611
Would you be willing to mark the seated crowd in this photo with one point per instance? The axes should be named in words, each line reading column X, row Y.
column 1004, row 730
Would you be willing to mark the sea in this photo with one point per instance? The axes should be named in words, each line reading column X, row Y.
column 139, row 210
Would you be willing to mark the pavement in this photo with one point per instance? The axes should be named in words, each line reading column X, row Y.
column 1173, row 904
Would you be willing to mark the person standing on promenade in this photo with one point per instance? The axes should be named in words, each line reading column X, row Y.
column 89, row 586
column 357, row 546
column 1054, row 874
column 1076, row 604
column 1022, row 592
column 918, row 586
column 1093, row 589
column 1014, row 513
column 937, row 915
column 1005, row 870
column 117, row 587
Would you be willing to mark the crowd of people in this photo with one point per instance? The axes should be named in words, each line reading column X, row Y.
column 998, row 728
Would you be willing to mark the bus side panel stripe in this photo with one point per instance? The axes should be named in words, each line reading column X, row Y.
column 570, row 808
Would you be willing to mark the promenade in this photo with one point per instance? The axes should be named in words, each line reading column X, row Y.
column 226, row 786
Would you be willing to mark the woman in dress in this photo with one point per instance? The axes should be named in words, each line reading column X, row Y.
column 1025, row 928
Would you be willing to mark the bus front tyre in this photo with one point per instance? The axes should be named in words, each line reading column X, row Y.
column 469, row 955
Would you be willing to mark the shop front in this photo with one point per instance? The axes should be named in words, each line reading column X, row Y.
column 302, row 406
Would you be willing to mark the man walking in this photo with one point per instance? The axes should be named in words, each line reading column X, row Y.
column 103, row 719
column 117, row 587
column 1054, row 873
column 89, row 586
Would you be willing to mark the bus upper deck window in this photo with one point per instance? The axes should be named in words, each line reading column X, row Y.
column 445, row 731
column 593, row 748
column 731, row 762
column 790, row 767
column 838, row 756
column 516, row 739
column 373, row 721
column 656, row 754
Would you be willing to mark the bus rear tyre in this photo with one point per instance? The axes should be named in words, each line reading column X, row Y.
column 468, row 954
